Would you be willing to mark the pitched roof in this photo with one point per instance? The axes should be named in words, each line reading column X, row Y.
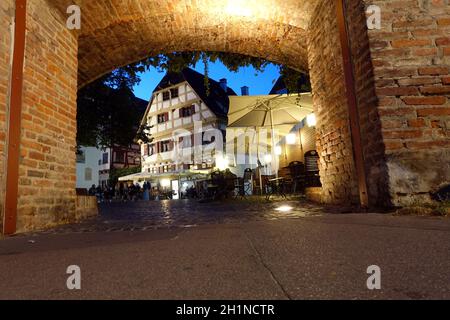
column 140, row 105
column 281, row 88
column 217, row 101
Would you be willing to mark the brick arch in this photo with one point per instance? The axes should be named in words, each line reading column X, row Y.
column 115, row 32
column 250, row 42
column 401, row 86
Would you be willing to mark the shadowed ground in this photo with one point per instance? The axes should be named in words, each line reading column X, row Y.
column 239, row 250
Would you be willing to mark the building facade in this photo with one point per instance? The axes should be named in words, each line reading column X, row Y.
column 94, row 165
column 185, row 118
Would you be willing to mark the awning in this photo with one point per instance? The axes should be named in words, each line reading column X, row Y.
column 169, row 175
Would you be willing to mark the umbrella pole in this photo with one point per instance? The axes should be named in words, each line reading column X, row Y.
column 257, row 161
column 273, row 142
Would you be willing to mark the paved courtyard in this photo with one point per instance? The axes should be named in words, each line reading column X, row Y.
column 233, row 250
column 144, row 215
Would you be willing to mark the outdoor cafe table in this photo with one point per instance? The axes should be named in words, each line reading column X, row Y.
column 276, row 187
column 210, row 188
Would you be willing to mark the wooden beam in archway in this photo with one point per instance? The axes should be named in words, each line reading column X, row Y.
column 352, row 102
column 15, row 112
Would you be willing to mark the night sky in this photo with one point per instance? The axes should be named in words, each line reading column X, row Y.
column 259, row 83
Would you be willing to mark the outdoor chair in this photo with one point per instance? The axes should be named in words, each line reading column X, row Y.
column 297, row 171
column 244, row 185
column 312, row 169
column 217, row 187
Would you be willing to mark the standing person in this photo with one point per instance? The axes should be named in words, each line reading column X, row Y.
column 121, row 191
column 146, row 194
column 92, row 190
column 137, row 192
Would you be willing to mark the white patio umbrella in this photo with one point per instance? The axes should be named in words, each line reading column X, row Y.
column 272, row 111
column 269, row 111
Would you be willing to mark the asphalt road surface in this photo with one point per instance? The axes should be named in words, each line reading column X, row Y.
column 311, row 257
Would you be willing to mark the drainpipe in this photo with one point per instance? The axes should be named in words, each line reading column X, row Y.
column 352, row 103
column 15, row 111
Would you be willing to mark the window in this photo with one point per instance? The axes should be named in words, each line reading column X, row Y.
column 166, row 95
column 187, row 111
column 119, row 156
column 151, row 149
column 163, row 117
column 88, row 174
column 81, row 157
column 174, row 93
column 105, row 158
column 165, row 146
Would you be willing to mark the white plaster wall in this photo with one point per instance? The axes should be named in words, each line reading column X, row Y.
column 93, row 155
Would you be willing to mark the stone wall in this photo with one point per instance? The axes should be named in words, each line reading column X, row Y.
column 411, row 58
column 47, row 165
column 333, row 133
column 6, row 18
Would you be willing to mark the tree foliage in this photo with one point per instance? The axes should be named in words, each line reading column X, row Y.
column 116, row 173
column 107, row 111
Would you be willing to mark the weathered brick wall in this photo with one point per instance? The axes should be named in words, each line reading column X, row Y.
column 411, row 58
column 47, row 165
column 327, row 79
column 370, row 124
column 6, row 17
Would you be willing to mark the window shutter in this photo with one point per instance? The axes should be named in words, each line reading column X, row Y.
column 193, row 109
column 166, row 116
column 170, row 145
column 180, row 113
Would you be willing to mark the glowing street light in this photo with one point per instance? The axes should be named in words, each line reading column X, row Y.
column 291, row 138
column 278, row 151
column 311, row 120
column 268, row 158
column 222, row 163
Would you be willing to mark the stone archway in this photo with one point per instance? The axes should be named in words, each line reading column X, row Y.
column 302, row 34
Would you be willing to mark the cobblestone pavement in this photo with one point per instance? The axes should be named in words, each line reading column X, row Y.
column 144, row 215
